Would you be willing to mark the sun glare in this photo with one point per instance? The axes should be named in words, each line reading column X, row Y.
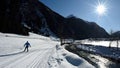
column 101, row 9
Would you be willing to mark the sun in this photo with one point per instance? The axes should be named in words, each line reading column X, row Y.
column 101, row 9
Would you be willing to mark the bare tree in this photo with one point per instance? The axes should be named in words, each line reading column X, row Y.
column 111, row 38
column 115, row 39
column 61, row 34
column 117, row 43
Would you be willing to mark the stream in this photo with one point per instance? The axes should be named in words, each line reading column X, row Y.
column 96, row 60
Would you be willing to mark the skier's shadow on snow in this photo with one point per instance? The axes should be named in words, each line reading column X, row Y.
column 11, row 54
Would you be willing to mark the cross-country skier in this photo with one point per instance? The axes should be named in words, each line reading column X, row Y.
column 27, row 45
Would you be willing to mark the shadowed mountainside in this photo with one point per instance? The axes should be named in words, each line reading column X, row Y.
column 23, row 16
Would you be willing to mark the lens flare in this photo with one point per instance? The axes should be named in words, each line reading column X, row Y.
column 101, row 9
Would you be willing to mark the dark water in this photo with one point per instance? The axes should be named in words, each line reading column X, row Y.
column 92, row 59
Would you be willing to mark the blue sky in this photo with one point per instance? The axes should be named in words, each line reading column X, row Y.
column 85, row 9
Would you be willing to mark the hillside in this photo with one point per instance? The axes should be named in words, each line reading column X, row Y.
column 23, row 16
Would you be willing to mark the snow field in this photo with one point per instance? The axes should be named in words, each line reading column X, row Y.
column 43, row 53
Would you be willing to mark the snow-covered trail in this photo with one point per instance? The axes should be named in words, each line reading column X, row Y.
column 43, row 53
column 33, row 59
column 12, row 55
column 37, row 58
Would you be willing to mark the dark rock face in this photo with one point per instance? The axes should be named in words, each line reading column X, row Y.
column 23, row 16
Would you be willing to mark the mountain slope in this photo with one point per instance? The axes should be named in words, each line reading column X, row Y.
column 116, row 35
column 23, row 16
column 84, row 29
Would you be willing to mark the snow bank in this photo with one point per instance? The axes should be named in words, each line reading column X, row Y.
column 69, row 60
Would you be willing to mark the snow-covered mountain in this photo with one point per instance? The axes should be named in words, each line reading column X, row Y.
column 23, row 16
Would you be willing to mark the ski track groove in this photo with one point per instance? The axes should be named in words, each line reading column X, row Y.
column 13, row 60
column 36, row 62
column 13, row 64
column 41, row 62
column 33, row 62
